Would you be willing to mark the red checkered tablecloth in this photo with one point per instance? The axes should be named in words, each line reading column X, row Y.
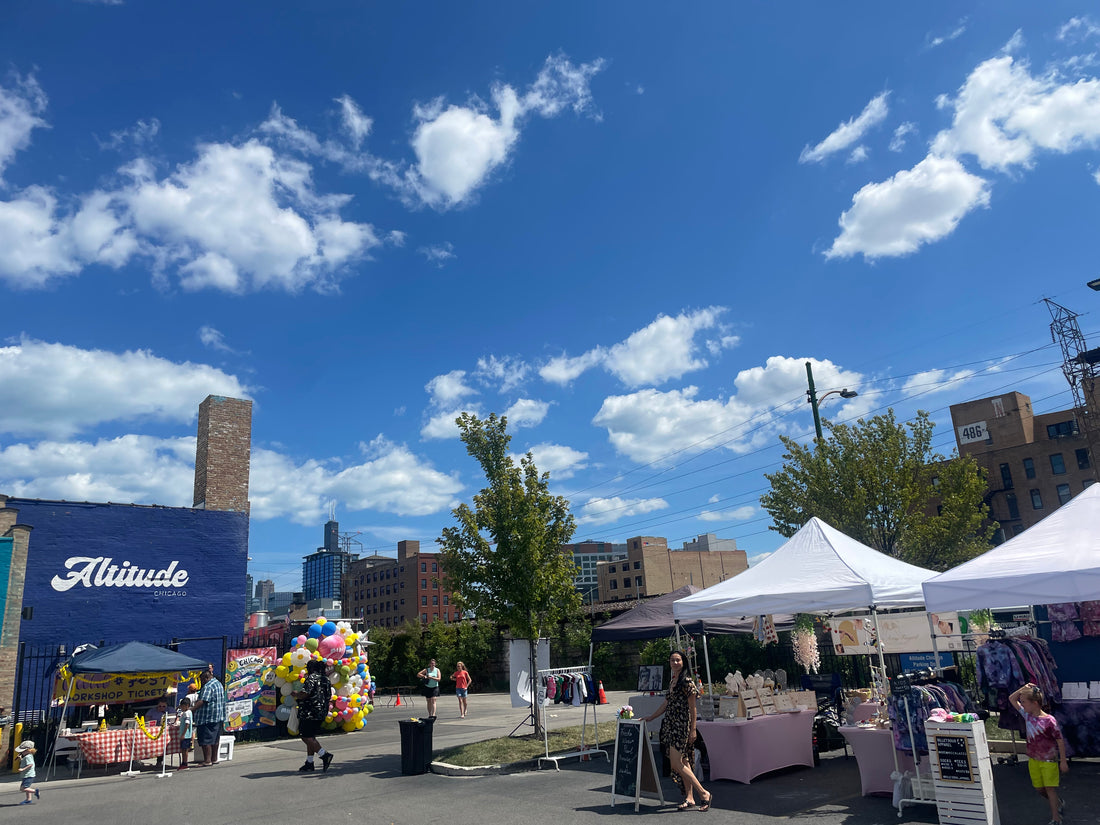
column 102, row 747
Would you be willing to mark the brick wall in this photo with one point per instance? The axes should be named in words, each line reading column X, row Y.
column 222, row 455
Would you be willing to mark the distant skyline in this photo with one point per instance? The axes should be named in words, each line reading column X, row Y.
column 625, row 227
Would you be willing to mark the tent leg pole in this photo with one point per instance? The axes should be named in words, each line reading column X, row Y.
column 710, row 685
column 882, row 664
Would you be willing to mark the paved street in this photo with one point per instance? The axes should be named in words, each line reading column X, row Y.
column 365, row 785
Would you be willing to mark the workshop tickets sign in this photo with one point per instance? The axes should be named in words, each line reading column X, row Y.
column 113, row 689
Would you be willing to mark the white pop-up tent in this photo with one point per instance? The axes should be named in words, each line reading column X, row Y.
column 818, row 570
column 1056, row 560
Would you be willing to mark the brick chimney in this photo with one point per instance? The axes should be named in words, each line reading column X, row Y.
column 223, row 453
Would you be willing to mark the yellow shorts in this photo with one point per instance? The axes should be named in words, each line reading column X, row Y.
column 1043, row 774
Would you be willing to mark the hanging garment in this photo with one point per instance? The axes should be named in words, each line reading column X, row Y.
column 1062, row 612
column 1064, row 632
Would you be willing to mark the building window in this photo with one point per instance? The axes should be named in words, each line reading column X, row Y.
column 1013, row 507
column 1029, row 468
column 402, row 601
column 1057, row 464
column 638, row 581
column 611, row 569
column 424, row 601
column 1063, row 493
column 1036, row 500
column 423, row 584
column 423, row 567
column 626, row 583
column 423, row 618
column 1006, row 477
column 614, row 584
column 1083, row 459
column 1063, row 429
column 435, row 568
column 637, row 565
column 435, row 600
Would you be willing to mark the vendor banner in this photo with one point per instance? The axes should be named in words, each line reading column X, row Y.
column 901, row 633
column 250, row 703
column 112, row 688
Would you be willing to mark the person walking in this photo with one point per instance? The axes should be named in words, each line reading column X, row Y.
column 678, row 732
column 430, row 676
column 462, row 681
column 313, row 701
column 209, row 717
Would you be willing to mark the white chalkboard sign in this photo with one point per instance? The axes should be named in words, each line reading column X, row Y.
column 634, row 773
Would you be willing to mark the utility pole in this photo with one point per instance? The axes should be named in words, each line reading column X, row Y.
column 1079, row 367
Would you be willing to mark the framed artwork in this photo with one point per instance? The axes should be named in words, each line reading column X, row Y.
column 651, row 678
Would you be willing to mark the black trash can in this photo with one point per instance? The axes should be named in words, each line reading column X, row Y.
column 416, row 745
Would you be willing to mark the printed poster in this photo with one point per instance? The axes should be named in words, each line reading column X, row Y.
column 249, row 702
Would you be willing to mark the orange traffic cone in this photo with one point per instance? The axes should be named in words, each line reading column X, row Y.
column 397, row 704
column 603, row 696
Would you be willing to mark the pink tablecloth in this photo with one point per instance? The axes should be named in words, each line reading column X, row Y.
column 874, row 752
column 744, row 750
column 103, row 747
column 867, row 710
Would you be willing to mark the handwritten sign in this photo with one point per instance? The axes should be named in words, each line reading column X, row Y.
column 900, row 686
column 634, row 773
column 954, row 758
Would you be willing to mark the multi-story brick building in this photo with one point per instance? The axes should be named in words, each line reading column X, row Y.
column 651, row 569
column 1034, row 463
column 385, row 592
column 587, row 555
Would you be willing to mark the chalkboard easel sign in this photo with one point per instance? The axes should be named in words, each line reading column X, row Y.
column 634, row 773
column 954, row 758
column 900, row 685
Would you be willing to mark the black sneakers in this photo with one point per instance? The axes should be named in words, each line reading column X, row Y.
column 325, row 760
column 306, row 768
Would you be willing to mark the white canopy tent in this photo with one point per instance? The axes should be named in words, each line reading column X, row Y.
column 818, row 570
column 1056, row 560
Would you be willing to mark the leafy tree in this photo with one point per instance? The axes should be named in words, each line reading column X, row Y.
column 879, row 482
column 503, row 560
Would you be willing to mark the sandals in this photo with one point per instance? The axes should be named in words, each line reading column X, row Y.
column 706, row 803
column 685, row 806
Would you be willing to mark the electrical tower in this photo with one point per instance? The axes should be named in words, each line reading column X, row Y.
column 350, row 544
column 1079, row 367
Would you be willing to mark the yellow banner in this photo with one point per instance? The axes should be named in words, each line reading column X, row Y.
column 114, row 688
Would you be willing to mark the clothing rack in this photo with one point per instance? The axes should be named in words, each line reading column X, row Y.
column 584, row 751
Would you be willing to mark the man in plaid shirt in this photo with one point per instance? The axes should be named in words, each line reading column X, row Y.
column 209, row 711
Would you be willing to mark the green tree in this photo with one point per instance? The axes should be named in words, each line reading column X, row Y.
column 879, row 482
column 503, row 560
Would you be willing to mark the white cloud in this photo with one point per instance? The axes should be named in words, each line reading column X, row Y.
column 506, row 372
column 442, row 425
column 915, row 207
column 782, row 378
column 662, row 350
column 560, row 461
column 1078, row 28
column 527, row 412
column 450, row 387
column 563, row 369
column 849, row 132
column 736, row 514
column 457, row 148
column 213, row 339
column 859, row 154
column 955, row 33
column 356, row 124
column 901, row 134
column 609, row 510
column 22, row 102
column 90, row 387
column 438, row 254
column 932, row 381
column 139, row 135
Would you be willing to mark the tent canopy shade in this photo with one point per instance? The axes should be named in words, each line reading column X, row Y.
column 1056, row 560
column 133, row 657
column 818, row 570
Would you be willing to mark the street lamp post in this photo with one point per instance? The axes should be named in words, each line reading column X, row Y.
column 814, row 401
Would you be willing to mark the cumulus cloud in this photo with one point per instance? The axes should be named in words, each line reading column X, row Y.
column 457, row 147
column 90, row 387
column 527, row 412
column 442, row 425
column 449, row 387
column 560, row 461
column 438, row 254
column 505, row 372
column 1004, row 116
column 665, row 349
column 597, row 511
column 149, row 470
column 850, row 132
column 736, row 514
column 914, row 207
column 22, row 102
column 782, row 378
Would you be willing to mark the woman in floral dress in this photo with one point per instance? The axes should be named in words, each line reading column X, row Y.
column 678, row 732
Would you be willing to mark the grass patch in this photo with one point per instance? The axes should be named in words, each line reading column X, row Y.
column 522, row 748
column 993, row 731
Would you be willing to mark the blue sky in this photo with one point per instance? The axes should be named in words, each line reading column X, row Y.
column 625, row 228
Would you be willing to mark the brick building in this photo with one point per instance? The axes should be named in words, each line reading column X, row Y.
column 651, row 569
column 385, row 592
column 1034, row 463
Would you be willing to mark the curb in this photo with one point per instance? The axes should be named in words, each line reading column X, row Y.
column 447, row 769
